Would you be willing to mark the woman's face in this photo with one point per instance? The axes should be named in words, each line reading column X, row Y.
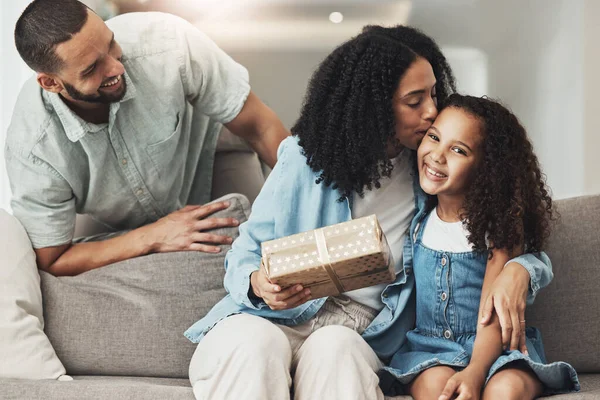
column 415, row 106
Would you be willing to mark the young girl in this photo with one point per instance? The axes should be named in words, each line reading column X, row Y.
column 485, row 201
column 368, row 105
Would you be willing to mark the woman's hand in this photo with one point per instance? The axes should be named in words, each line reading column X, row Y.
column 273, row 296
column 466, row 385
column 508, row 296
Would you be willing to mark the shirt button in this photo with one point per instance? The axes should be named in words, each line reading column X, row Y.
column 140, row 192
column 124, row 162
column 385, row 295
column 447, row 334
column 444, row 296
column 444, row 261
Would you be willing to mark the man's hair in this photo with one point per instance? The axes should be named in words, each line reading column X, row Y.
column 45, row 24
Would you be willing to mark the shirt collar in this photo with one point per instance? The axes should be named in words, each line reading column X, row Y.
column 76, row 127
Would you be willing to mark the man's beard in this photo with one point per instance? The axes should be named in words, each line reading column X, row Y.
column 98, row 97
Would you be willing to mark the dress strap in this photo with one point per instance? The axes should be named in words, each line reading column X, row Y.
column 420, row 227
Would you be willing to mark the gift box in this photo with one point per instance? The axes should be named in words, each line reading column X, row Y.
column 331, row 260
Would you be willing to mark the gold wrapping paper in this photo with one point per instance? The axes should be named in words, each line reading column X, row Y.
column 331, row 260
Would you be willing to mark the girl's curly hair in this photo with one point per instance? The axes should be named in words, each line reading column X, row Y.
column 508, row 201
column 347, row 117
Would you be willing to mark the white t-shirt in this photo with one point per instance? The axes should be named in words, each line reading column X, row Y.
column 445, row 236
column 394, row 205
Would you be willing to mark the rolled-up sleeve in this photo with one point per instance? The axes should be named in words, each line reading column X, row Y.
column 212, row 80
column 539, row 267
column 42, row 200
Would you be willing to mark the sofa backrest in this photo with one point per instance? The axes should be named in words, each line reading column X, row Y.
column 567, row 312
column 128, row 318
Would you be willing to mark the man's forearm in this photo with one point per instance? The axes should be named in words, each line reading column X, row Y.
column 82, row 257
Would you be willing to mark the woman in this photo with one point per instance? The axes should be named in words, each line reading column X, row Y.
column 367, row 108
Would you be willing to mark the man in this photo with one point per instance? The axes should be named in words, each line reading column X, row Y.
column 124, row 134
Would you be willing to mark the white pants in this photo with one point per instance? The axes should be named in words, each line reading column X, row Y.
column 248, row 357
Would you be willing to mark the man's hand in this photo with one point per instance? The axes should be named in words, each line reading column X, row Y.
column 273, row 296
column 508, row 296
column 185, row 229
column 466, row 384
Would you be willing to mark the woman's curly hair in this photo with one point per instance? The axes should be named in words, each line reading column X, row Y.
column 507, row 201
column 347, row 117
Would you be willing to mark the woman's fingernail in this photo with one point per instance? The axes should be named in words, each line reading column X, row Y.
column 526, row 353
column 307, row 292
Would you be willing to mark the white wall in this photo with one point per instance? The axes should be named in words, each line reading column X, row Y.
column 14, row 72
column 537, row 70
column 470, row 67
column 591, row 89
column 534, row 50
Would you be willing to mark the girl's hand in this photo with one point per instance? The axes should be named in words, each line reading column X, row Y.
column 273, row 296
column 466, row 385
column 508, row 296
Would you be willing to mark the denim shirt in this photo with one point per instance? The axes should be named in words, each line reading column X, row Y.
column 154, row 155
column 291, row 202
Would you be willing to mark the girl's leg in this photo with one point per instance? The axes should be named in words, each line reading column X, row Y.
column 430, row 383
column 242, row 357
column 513, row 384
column 335, row 362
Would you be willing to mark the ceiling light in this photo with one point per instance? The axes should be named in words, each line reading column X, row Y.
column 336, row 17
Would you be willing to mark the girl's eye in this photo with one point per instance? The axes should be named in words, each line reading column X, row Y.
column 433, row 137
column 459, row 151
column 415, row 105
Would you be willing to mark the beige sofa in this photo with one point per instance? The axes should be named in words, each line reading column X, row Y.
column 118, row 330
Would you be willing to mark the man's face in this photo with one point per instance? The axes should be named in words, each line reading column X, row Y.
column 92, row 71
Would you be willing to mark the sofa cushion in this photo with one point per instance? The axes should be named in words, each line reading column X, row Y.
column 128, row 318
column 25, row 351
column 119, row 387
column 98, row 388
column 567, row 312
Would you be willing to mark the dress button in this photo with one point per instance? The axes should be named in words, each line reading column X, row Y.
column 444, row 296
column 444, row 261
column 124, row 161
column 140, row 192
column 447, row 334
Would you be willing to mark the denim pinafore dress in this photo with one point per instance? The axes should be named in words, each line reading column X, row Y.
column 448, row 290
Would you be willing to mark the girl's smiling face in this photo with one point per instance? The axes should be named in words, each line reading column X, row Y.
column 449, row 153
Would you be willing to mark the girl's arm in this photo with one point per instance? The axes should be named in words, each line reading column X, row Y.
column 488, row 342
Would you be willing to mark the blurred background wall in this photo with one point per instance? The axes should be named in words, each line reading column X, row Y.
column 540, row 57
